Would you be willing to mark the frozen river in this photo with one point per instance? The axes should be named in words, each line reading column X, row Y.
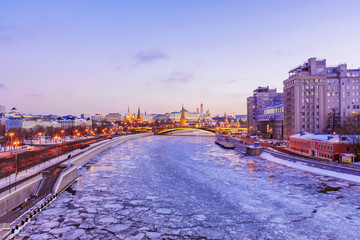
column 189, row 188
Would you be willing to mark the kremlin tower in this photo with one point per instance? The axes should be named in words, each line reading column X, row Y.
column 128, row 115
column 182, row 118
column 139, row 118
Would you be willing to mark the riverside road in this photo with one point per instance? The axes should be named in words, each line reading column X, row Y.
column 165, row 187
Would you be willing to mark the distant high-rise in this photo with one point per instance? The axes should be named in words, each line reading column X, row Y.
column 314, row 91
column 262, row 97
column 2, row 111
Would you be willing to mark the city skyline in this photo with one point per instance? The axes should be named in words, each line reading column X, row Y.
column 87, row 57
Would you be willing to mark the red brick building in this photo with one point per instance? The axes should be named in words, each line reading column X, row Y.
column 326, row 146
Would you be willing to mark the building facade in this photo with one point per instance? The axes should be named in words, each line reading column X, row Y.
column 76, row 122
column 270, row 121
column 98, row 117
column 113, row 117
column 2, row 111
column 85, row 116
column 27, row 123
column 262, row 97
column 314, row 91
column 325, row 146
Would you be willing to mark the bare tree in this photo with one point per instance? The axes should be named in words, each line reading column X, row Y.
column 333, row 123
column 352, row 132
column 2, row 130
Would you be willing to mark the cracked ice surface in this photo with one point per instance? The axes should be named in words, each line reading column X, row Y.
column 189, row 188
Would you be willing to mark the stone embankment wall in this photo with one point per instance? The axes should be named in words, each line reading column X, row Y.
column 23, row 191
column 65, row 179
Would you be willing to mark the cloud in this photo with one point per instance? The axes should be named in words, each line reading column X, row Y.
column 282, row 53
column 236, row 80
column 118, row 68
column 36, row 95
column 150, row 56
column 179, row 77
column 231, row 81
column 2, row 86
column 148, row 87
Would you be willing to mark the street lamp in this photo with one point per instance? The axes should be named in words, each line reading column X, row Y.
column 16, row 143
column 11, row 143
column 62, row 133
column 56, row 138
column 40, row 134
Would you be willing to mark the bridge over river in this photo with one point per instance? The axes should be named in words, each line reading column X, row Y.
column 189, row 188
column 210, row 129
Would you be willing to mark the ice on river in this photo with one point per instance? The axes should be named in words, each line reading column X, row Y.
column 187, row 188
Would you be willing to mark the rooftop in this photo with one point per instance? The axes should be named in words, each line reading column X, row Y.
column 322, row 137
column 272, row 106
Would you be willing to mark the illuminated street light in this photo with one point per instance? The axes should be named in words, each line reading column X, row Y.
column 11, row 135
column 16, row 143
column 40, row 134
column 56, row 138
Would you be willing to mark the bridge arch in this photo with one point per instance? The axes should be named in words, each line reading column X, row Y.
column 184, row 129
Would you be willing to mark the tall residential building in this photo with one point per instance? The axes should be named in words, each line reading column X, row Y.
column 314, row 91
column 262, row 97
column 2, row 111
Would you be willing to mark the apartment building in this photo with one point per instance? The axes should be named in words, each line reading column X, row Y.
column 262, row 97
column 2, row 111
column 326, row 146
column 314, row 91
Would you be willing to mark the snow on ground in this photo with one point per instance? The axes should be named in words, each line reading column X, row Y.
column 304, row 167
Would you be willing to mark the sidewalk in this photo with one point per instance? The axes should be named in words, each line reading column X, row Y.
column 20, row 150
